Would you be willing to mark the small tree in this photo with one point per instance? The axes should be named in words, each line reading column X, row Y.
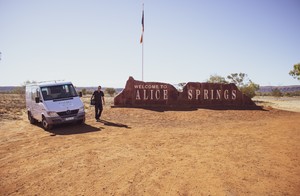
column 180, row 86
column 244, row 84
column 249, row 89
column 276, row 92
column 217, row 79
column 110, row 91
column 83, row 91
column 237, row 78
column 296, row 71
column 21, row 89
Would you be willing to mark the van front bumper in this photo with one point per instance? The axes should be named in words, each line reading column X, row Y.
column 66, row 119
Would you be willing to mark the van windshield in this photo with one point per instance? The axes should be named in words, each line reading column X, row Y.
column 58, row 92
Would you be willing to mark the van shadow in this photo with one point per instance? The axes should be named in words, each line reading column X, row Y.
column 107, row 123
column 159, row 108
column 69, row 129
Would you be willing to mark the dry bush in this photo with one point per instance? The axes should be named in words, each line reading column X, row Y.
column 12, row 106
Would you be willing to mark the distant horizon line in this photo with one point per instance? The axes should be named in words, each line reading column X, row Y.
column 13, row 86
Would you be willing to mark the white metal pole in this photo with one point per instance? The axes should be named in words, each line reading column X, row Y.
column 143, row 44
column 143, row 60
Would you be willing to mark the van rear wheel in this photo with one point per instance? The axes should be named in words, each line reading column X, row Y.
column 46, row 125
column 30, row 118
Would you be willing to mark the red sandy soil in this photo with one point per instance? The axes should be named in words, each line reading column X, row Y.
column 146, row 152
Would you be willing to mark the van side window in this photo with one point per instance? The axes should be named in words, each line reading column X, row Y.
column 33, row 94
column 72, row 90
column 38, row 93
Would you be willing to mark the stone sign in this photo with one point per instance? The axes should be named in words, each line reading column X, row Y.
column 194, row 94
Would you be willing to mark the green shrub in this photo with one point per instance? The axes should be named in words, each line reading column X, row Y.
column 276, row 92
column 83, row 91
column 249, row 89
column 110, row 91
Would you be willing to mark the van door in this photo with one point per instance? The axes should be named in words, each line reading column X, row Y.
column 37, row 108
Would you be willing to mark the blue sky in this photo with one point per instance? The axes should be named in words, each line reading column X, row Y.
column 96, row 42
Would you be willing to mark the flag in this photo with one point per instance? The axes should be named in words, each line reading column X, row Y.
column 141, row 40
column 143, row 21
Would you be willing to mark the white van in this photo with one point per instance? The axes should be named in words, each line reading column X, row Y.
column 53, row 103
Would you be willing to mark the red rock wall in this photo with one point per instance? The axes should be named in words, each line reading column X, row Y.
column 195, row 94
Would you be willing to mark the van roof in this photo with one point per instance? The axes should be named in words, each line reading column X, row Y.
column 48, row 83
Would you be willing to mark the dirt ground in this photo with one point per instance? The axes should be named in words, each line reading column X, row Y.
column 147, row 152
column 282, row 103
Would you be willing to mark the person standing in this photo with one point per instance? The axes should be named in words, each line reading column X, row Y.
column 98, row 96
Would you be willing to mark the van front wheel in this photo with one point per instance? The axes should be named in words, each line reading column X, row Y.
column 46, row 125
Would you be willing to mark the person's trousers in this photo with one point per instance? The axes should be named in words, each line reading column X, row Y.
column 98, row 111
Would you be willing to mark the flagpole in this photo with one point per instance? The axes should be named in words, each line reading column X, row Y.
column 143, row 44
column 143, row 61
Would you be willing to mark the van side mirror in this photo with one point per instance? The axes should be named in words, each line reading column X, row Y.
column 80, row 94
column 37, row 100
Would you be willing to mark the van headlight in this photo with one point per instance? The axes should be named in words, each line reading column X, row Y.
column 52, row 114
column 81, row 109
